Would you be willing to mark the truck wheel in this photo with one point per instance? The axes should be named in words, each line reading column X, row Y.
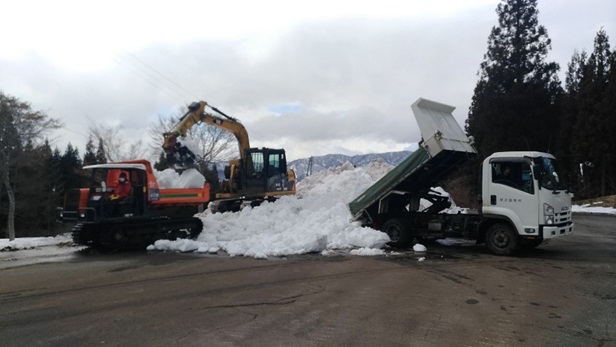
column 502, row 240
column 398, row 231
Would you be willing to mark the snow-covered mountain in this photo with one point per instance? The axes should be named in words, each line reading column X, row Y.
column 333, row 160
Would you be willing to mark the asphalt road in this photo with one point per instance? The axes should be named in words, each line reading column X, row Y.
column 562, row 294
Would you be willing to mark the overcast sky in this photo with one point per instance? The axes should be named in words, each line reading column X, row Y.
column 313, row 77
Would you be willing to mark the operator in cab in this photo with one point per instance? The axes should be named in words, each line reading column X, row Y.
column 123, row 190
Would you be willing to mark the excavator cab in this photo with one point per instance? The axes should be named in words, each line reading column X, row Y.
column 265, row 171
column 261, row 175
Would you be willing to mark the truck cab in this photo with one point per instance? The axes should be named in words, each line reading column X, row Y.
column 525, row 190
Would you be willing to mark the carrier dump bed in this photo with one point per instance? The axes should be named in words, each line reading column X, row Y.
column 443, row 149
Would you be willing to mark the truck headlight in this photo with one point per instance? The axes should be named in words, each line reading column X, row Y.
column 548, row 213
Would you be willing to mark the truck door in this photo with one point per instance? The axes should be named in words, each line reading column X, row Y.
column 512, row 192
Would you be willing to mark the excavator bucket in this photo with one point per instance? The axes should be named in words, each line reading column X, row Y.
column 180, row 156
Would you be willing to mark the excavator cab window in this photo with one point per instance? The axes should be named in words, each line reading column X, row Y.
column 277, row 164
column 257, row 163
column 274, row 165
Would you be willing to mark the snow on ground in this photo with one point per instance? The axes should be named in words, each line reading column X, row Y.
column 588, row 208
column 317, row 219
column 34, row 242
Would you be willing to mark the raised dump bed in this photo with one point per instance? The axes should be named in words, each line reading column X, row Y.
column 444, row 147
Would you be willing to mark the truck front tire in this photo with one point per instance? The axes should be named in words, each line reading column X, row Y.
column 398, row 231
column 502, row 239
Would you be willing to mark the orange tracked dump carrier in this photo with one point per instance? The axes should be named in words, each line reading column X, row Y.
column 124, row 207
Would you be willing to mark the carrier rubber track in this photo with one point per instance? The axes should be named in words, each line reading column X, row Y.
column 134, row 234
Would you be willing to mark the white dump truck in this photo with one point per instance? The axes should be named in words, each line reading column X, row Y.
column 523, row 200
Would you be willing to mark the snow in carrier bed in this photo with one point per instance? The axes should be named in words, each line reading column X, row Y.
column 169, row 178
column 317, row 219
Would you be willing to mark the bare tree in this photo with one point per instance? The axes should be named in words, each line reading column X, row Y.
column 215, row 143
column 116, row 146
column 20, row 126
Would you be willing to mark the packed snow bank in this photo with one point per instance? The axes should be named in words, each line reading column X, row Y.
column 169, row 178
column 588, row 208
column 33, row 242
column 317, row 219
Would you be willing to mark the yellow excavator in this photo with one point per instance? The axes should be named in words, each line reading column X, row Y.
column 260, row 173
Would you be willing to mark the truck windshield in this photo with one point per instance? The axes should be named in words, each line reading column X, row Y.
column 550, row 176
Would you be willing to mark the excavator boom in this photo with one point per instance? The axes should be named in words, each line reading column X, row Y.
column 178, row 155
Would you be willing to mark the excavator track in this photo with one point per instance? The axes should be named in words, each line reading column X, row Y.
column 134, row 234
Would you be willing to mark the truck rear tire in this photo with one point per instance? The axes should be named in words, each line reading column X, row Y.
column 502, row 239
column 398, row 231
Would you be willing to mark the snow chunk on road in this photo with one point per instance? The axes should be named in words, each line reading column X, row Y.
column 367, row 252
column 418, row 247
column 315, row 220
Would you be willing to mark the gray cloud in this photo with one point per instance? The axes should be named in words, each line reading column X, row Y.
column 353, row 79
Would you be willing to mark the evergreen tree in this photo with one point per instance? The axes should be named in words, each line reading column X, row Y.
column 71, row 168
column 35, row 210
column 515, row 103
column 592, row 118
column 566, row 137
column 89, row 158
column 608, row 107
column 54, row 163
column 101, row 156
column 517, row 99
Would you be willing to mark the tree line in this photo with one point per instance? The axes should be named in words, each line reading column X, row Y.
column 519, row 102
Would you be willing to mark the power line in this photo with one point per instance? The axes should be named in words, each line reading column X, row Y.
column 148, row 77
column 161, row 75
column 154, row 77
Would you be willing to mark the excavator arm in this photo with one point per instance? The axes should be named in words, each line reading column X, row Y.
column 178, row 155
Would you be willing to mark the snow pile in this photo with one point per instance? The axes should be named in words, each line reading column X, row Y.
column 317, row 219
column 33, row 242
column 169, row 178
